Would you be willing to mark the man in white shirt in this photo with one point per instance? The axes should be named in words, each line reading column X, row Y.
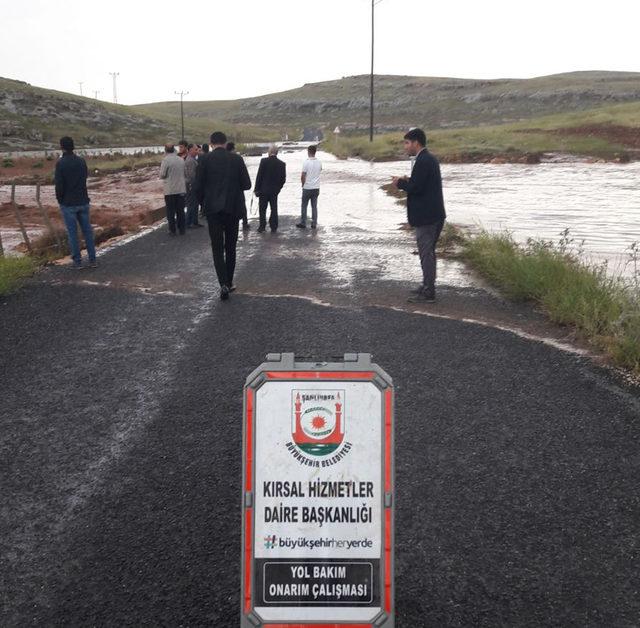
column 310, row 188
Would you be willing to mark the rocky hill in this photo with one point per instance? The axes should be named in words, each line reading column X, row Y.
column 403, row 101
column 35, row 118
column 31, row 117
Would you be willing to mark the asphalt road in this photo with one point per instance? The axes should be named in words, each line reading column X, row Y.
column 120, row 444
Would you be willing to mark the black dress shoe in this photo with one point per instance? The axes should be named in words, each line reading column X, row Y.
column 301, row 226
column 224, row 293
column 261, row 229
column 426, row 296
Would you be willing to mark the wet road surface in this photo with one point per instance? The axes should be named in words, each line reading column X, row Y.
column 120, row 440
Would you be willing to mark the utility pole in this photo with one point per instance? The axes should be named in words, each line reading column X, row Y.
column 95, row 93
column 81, row 83
column 182, row 94
column 373, row 31
column 114, row 75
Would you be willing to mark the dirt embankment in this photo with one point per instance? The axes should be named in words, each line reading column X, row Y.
column 617, row 134
column 120, row 203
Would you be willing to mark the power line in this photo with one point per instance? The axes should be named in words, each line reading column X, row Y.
column 114, row 75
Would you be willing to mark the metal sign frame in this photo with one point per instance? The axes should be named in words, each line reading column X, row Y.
column 283, row 367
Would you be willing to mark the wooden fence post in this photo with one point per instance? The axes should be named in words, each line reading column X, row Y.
column 25, row 237
column 47, row 222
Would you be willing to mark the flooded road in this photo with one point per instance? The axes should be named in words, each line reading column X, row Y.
column 360, row 223
column 599, row 203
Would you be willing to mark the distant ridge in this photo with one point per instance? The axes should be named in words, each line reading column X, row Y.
column 32, row 117
column 436, row 102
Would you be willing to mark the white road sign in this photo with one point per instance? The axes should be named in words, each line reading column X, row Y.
column 318, row 484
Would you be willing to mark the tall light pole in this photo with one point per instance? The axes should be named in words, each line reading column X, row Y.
column 114, row 75
column 95, row 93
column 81, row 83
column 182, row 94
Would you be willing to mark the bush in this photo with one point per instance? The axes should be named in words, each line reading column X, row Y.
column 7, row 162
column 603, row 309
column 37, row 164
column 46, row 246
column 13, row 270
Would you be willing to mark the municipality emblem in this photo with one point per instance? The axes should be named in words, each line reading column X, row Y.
column 318, row 424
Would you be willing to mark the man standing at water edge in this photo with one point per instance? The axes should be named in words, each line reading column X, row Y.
column 172, row 174
column 310, row 178
column 73, row 198
column 271, row 177
column 221, row 178
column 425, row 209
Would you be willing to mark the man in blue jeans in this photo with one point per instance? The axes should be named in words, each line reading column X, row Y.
column 71, row 192
column 310, row 179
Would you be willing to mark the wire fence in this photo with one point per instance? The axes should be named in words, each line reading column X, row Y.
column 24, row 222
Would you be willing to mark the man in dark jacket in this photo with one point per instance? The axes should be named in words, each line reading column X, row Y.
column 221, row 178
column 271, row 177
column 73, row 198
column 231, row 147
column 425, row 209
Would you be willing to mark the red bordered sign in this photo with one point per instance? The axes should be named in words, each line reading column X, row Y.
column 317, row 498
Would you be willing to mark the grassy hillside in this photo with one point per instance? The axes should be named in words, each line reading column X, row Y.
column 404, row 101
column 602, row 133
column 591, row 113
column 35, row 118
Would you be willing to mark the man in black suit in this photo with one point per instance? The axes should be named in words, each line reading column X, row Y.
column 425, row 209
column 231, row 147
column 220, row 180
column 272, row 174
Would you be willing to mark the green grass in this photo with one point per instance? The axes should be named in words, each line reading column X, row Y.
column 512, row 141
column 13, row 270
column 604, row 310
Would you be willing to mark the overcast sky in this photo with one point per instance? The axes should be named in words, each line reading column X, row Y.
column 219, row 49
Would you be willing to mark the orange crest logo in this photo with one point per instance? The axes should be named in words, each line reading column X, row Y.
column 318, row 422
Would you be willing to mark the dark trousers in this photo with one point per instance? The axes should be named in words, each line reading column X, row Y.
column 263, row 201
column 175, row 211
column 192, row 206
column 427, row 236
column 223, row 231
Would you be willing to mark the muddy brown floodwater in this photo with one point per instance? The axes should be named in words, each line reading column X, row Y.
column 598, row 203
column 121, row 199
